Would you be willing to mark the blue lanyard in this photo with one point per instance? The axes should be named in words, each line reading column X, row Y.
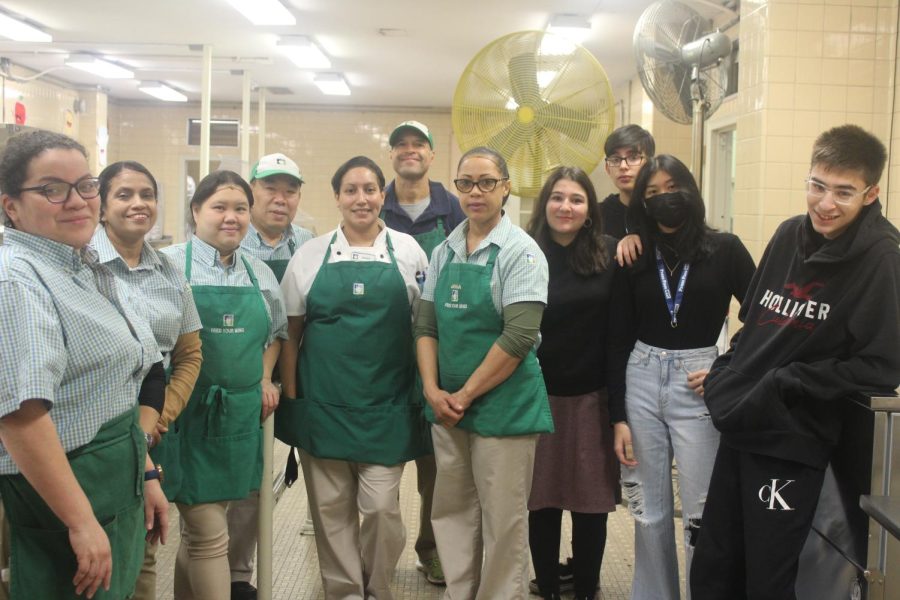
column 673, row 304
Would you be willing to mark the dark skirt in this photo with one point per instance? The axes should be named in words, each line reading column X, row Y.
column 575, row 468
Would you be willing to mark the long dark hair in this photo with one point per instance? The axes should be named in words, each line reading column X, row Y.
column 588, row 255
column 691, row 241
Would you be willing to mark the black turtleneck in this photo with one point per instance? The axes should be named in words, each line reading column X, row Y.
column 584, row 345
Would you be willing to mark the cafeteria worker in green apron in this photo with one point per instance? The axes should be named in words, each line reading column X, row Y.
column 157, row 291
column 354, row 414
column 78, row 488
column 242, row 312
column 476, row 328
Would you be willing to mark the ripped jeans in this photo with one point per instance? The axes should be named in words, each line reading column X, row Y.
column 666, row 417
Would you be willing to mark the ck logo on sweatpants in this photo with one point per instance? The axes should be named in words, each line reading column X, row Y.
column 770, row 494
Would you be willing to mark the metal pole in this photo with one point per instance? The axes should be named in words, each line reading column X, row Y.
column 205, row 109
column 245, row 126
column 697, row 126
column 266, row 508
column 261, row 141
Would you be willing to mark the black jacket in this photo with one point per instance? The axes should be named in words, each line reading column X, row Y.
column 821, row 321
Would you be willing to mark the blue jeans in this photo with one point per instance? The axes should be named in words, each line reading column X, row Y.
column 666, row 417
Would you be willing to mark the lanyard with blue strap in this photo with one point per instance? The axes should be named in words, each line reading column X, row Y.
column 672, row 304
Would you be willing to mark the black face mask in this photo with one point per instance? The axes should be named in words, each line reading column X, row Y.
column 669, row 209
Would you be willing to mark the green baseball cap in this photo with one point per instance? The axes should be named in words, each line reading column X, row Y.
column 275, row 164
column 419, row 128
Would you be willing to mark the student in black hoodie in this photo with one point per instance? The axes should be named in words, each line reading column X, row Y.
column 821, row 321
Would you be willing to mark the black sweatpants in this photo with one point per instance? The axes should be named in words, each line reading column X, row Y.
column 588, row 543
column 758, row 514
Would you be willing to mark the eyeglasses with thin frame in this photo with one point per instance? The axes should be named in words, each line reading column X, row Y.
column 58, row 191
column 632, row 160
column 843, row 196
column 488, row 184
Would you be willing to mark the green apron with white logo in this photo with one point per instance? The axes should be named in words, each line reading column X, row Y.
column 356, row 368
column 221, row 435
column 429, row 240
column 468, row 325
column 110, row 470
column 279, row 265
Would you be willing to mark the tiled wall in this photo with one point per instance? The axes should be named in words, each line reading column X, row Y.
column 805, row 67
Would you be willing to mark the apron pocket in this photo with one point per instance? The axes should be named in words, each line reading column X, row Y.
column 220, row 468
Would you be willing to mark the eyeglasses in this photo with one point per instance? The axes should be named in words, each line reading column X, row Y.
column 632, row 160
column 58, row 192
column 485, row 185
column 843, row 196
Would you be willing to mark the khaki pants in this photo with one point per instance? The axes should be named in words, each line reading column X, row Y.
column 201, row 568
column 426, row 548
column 243, row 532
column 356, row 560
column 480, row 513
column 145, row 588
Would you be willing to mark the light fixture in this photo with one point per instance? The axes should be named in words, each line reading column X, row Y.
column 572, row 27
column 264, row 12
column 332, row 84
column 304, row 52
column 98, row 66
column 21, row 31
column 159, row 90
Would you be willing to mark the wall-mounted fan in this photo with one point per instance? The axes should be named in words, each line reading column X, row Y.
column 683, row 63
column 538, row 99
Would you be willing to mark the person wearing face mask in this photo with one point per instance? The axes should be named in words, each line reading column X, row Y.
column 680, row 291
column 349, row 396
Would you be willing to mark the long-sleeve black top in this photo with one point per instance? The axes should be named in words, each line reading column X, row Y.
column 584, row 346
column 724, row 272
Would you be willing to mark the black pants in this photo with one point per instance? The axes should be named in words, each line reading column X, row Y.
column 588, row 543
column 758, row 514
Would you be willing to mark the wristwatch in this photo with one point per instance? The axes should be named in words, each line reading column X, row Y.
column 149, row 438
column 154, row 473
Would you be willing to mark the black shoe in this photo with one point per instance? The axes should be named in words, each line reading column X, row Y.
column 242, row 590
column 566, row 579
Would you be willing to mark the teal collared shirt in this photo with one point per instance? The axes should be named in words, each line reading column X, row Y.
column 520, row 271
column 155, row 289
column 207, row 269
column 67, row 339
column 254, row 245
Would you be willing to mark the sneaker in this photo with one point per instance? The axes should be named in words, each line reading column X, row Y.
column 242, row 590
column 432, row 570
column 566, row 579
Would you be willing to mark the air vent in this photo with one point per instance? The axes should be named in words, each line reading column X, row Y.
column 222, row 132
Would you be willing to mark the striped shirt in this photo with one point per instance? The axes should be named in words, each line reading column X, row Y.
column 156, row 290
column 67, row 339
column 520, row 271
column 255, row 245
column 207, row 269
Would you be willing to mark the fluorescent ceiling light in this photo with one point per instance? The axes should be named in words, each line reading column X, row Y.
column 572, row 27
column 98, row 66
column 159, row 90
column 20, row 31
column 332, row 84
column 264, row 12
column 304, row 52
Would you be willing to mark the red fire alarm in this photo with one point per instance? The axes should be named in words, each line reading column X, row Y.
column 20, row 113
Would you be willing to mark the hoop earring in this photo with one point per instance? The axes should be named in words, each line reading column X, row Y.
column 588, row 223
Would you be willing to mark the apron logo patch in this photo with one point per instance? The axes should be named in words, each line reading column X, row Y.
column 454, row 295
column 359, row 289
column 529, row 258
column 227, row 320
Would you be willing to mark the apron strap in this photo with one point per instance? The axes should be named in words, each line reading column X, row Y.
column 292, row 246
column 188, row 253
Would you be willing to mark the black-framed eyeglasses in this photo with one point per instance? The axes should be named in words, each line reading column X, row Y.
column 58, row 191
column 842, row 196
column 632, row 160
column 488, row 184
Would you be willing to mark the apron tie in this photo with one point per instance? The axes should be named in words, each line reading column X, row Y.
column 214, row 401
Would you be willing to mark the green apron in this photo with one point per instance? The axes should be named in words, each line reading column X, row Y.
column 221, row 436
column 468, row 325
column 167, row 453
column 429, row 240
column 110, row 470
column 356, row 368
column 279, row 265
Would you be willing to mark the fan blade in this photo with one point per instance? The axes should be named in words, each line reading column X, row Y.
column 571, row 122
column 509, row 139
column 523, row 79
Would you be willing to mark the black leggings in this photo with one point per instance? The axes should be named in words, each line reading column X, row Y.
column 588, row 543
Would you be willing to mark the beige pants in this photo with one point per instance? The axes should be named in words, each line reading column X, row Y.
column 426, row 548
column 356, row 560
column 145, row 588
column 480, row 513
column 243, row 531
column 201, row 567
